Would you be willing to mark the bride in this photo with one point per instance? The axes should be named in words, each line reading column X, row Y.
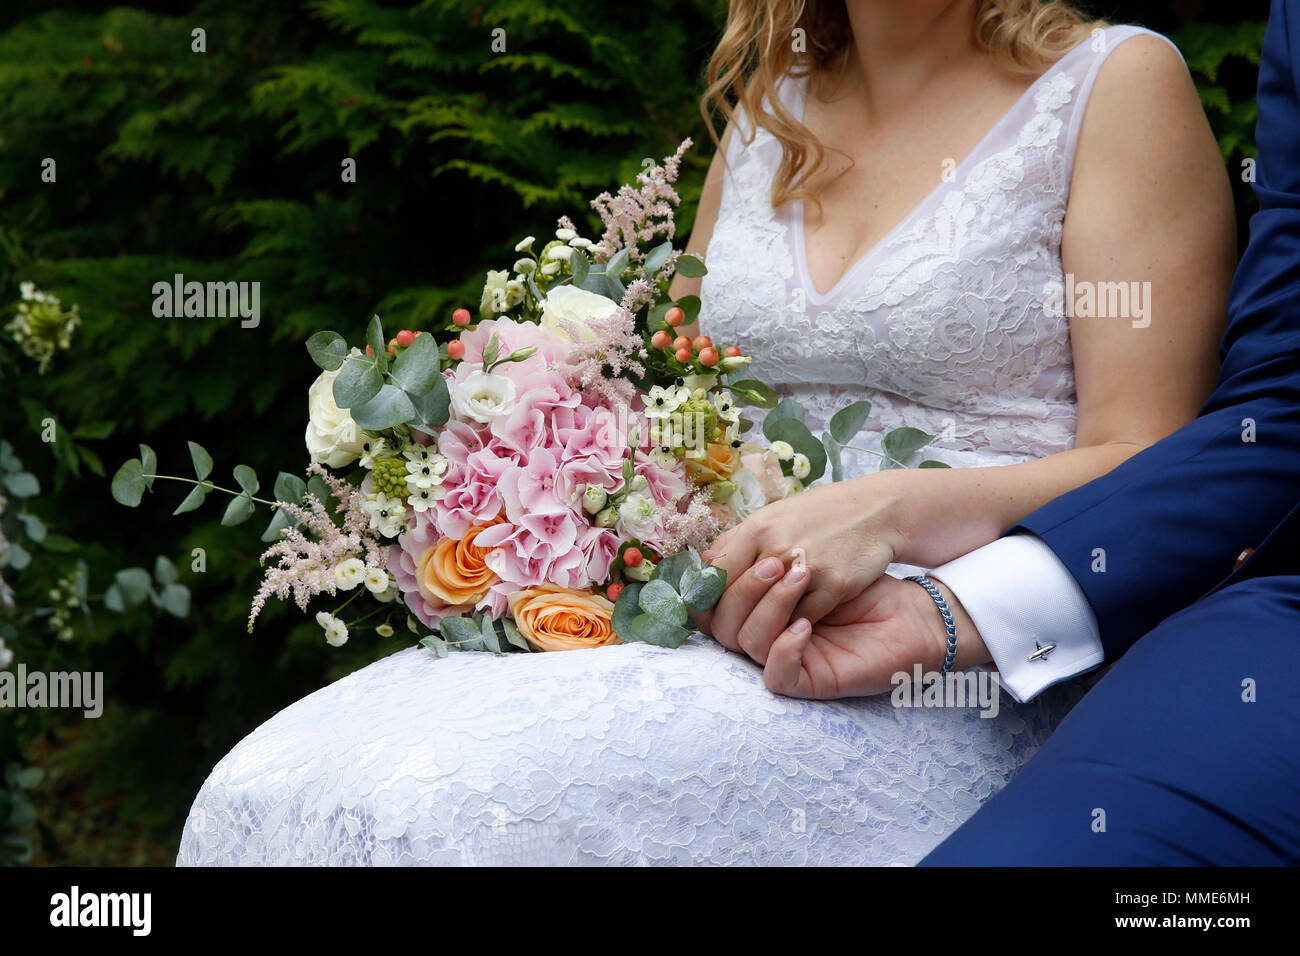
column 905, row 193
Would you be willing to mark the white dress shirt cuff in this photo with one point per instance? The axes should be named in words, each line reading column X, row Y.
column 1022, row 598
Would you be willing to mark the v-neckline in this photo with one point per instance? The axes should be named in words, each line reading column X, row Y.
column 797, row 207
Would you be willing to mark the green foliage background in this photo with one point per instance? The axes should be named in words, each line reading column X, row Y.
column 225, row 165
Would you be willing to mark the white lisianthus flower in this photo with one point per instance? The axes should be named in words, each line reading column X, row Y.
column 384, row 630
column 606, row 518
column 349, row 573
column 783, row 450
column 748, row 496
column 376, row 580
column 336, row 632
column 636, row 516
column 733, row 362
column 483, row 397
column 800, row 467
column 593, row 499
column 564, row 234
column 333, row 438
column 568, row 311
column 524, row 243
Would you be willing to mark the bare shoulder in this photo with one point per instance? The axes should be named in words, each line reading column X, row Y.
column 1144, row 87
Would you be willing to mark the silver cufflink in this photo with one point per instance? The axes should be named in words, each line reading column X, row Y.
column 1041, row 651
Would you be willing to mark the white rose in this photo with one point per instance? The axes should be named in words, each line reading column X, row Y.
column 636, row 516
column 484, row 397
column 748, row 496
column 576, row 307
column 333, row 438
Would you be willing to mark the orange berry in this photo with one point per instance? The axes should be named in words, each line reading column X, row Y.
column 661, row 339
column 456, row 349
column 675, row 316
column 461, row 317
column 702, row 342
column 731, row 351
column 613, row 591
column 709, row 356
column 632, row 557
column 683, row 355
column 681, row 342
column 404, row 338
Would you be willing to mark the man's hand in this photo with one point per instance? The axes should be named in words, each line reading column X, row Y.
column 856, row 649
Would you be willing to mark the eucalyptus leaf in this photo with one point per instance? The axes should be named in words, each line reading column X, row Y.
column 247, row 479
column 201, row 459
column 514, row 635
column 786, row 408
column 702, row 588
column 461, row 633
column 19, row 557
column 690, row 306
column 691, row 267
column 656, row 258
column 358, row 381
column 113, row 599
column 378, row 347
column 848, row 421
column 175, row 600
column 902, row 443
column 195, row 498
column 433, row 408
column 617, row 263
column 753, row 392
column 128, row 484
column 580, row 265
column 24, row 484
column 238, row 511
column 671, row 568
column 648, row 629
column 149, row 462
column 164, row 572
column 434, row 644
column 289, row 488
column 416, row 369
column 279, row 521
column 931, row 463
column 833, row 456
column 328, row 350
column 661, row 600
column 626, row 608
column 389, row 408
column 134, row 583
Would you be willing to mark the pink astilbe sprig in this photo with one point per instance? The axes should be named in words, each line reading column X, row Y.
column 692, row 526
column 601, row 365
column 308, row 554
column 639, row 214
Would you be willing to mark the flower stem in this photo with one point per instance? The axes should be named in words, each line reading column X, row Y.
column 212, row 487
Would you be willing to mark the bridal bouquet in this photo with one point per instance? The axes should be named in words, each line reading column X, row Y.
column 542, row 478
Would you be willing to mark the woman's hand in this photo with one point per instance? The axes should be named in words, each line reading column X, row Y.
column 856, row 649
column 845, row 534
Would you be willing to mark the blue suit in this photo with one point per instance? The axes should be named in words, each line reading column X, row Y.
column 1188, row 750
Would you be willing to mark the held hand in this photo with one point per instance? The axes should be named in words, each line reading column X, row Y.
column 846, row 534
column 855, row 649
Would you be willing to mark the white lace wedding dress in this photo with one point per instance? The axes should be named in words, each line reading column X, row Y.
column 640, row 755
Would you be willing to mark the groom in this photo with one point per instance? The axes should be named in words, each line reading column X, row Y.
column 1180, row 569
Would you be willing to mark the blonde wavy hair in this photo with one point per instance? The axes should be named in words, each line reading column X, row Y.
column 756, row 50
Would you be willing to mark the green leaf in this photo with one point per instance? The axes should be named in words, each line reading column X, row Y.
column 753, row 392
column 175, row 600
column 113, row 599
column 247, row 479
column 671, row 568
column 833, row 456
column 655, row 260
column 433, row 408
column 462, row 633
column 702, row 588
column 661, row 600
column 378, row 347
column 617, row 263
column 690, row 305
column 514, row 635
column 149, row 462
column 128, row 484
column 60, row 544
column 134, row 583
column 94, row 431
column 626, row 609
column 279, row 520
column 647, row 629
column 164, row 572
column 328, row 350
column 581, row 267
column 316, row 486
column 787, row 408
column 416, row 369
column 387, row 409
column 691, row 267
column 931, row 463
column 358, row 381
column 434, row 644
column 34, row 526
column 491, row 641
column 19, row 557
column 24, row 484
column 195, row 498
column 238, row 511
column 803, row 441
column 202, row 460
column 8, row 460
column 289, row 488
column 902, row 443
column 848, row 421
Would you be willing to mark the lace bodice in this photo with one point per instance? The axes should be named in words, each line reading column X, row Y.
column 941, row 325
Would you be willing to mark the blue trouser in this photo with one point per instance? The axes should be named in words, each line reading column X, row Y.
column 1185, row 771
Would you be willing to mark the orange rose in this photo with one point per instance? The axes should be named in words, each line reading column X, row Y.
column 454, row 572
column 719, row 462
column 560, row 619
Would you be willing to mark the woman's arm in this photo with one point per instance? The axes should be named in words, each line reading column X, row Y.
column 706, row 217
column 1149, row 203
